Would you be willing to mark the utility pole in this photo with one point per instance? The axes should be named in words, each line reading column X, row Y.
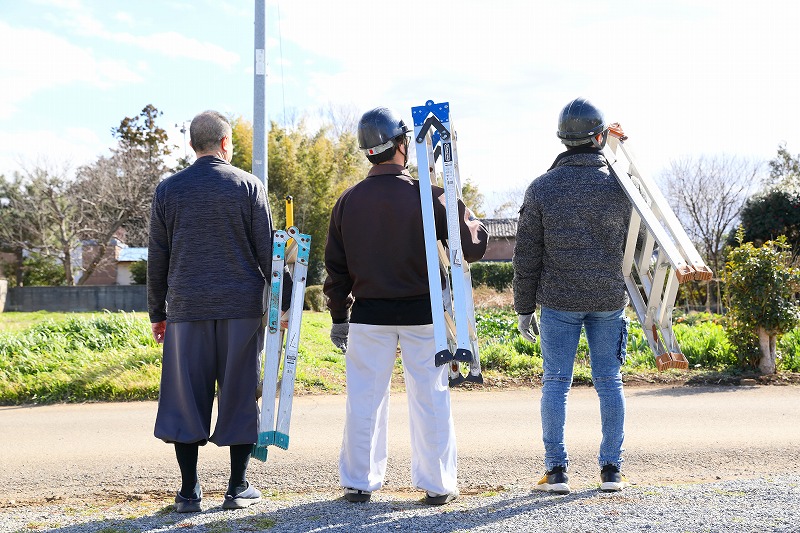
column 260, row 93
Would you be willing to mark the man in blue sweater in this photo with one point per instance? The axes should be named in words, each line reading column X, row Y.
column 568, row 259
column 210, row 245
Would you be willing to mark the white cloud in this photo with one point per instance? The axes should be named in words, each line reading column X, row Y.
column 37, row 60
column 69, row 147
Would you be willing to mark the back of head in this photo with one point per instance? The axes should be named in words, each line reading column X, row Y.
column 380, row 130
column 207, row 130
column 580, row 122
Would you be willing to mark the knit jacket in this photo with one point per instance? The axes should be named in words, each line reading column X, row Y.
column 210, row 244
column 571, row 238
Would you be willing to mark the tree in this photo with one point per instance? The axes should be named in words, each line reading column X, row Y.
column 784, row 170
column 242, row 132
column 42, row 215
column 776, row 210
column 761, row 284
column 116, row 191
column 770, row 214
column 707, row 195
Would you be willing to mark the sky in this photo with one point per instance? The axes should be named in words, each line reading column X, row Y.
column 686, row 79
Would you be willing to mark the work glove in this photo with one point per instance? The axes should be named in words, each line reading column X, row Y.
column 339, row 335
column 527, row 326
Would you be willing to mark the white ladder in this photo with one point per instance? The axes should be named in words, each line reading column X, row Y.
column 452, row 305
column 663, row 259
column 295, row 253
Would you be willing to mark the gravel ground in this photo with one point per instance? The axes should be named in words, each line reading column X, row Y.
column 722, row 506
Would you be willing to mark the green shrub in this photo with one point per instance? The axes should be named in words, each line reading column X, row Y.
column 42, row 271
column 761, row 284
column 495, row 275
column 706, row 344
column 139, row 272
column 315, row 299
column 789, row 351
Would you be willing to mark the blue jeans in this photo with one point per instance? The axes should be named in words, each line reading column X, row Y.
column 607, row 333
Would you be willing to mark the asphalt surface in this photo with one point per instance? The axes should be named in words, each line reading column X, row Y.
column 673, row 435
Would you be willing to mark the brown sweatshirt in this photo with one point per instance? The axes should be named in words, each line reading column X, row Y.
column 375, row 252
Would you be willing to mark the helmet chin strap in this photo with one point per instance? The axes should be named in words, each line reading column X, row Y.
column 600, row 144
column 405, row 151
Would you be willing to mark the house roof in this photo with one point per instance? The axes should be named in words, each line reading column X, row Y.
column 501, row 227
column 132, row 254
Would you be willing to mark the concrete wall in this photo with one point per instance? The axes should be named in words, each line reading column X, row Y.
column 77, row 299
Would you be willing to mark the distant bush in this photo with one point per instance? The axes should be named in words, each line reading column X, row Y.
column 315, row 299
column 496, row 275
column 139, row 273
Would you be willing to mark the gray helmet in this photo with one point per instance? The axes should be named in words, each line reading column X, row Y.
column 377, row 131
column 579, row 122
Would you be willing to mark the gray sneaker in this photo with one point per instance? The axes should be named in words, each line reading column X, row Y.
column 432, row 498
column 246, row 498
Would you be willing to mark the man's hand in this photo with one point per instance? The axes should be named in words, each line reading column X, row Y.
column 339, row 335
column 159, row 328
column 527, row 326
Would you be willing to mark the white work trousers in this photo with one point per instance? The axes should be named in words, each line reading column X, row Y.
column 371, row 353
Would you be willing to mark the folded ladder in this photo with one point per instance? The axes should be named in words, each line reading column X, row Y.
column 449, row 279
column 658, row 253
column 288, row 247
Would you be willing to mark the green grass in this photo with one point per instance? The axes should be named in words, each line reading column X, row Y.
column 76, row 357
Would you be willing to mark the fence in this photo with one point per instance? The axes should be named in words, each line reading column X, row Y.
column 76, row 299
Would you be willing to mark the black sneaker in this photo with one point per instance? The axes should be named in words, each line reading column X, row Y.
column 611, row 479
column 556, row 481
column 356, row 496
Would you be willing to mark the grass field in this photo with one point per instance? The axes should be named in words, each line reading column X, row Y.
column 77, row 357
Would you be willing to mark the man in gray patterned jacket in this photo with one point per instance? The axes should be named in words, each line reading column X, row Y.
column 210, row 245
column 568, row 259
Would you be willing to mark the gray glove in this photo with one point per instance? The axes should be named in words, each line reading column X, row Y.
column 339, row 335
column 527, row 326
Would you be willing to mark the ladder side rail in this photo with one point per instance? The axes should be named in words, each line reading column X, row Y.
column 474, row 375
column 671, row 221
column 645, row 320
column 653, row 225
column 450, row 183
column 292, row 337
column 272, row 343
column 664, row 317
column 426, row 169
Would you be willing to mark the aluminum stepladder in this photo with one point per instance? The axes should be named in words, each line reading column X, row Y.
column 663, row 259
column 452, row 303
column 291, row 248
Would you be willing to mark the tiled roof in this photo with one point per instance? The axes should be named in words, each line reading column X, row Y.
column 501, row 227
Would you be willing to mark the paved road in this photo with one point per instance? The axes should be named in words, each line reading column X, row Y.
column 683, row 434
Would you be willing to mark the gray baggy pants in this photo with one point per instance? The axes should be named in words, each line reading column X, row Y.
column 198, row 356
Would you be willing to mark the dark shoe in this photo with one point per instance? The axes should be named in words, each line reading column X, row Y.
column 188, row 505
column 246, row 498
column 611, row 479
column 555, row 481
column 356, row 496
column 439, row 499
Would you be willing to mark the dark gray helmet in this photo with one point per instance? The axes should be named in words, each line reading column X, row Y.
column 377, row 131
column 580, row 121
